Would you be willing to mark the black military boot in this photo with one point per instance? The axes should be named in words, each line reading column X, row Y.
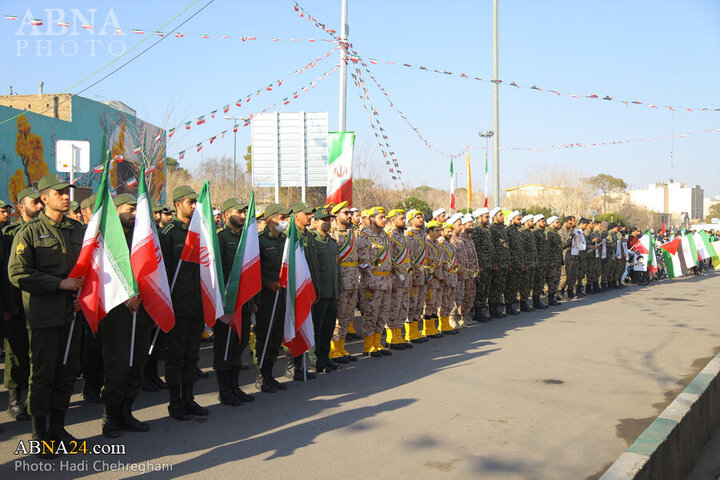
column 152, row 379
column 579, row 291
column 300, row 374
column 225, row 394
column 553, row 301
column 480, row 316
column 176, row 409
column 267, row 374
column 188, row 399
column 509, row 310
column 233, row 378
column 524, row 307
column 495, row 311
column 91, row 386
column 127, row 421
column 570, row 293
column 598, row 288
column 110, row 427
column 263, row 384
column 16, row 407
column 57, row 430
column 40, row 433
column 537, row 303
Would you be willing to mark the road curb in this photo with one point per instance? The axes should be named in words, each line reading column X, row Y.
column 669, row 447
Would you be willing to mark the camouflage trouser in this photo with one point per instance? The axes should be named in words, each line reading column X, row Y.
column 620, row 267
column 448, row 295
column 459, row 296
column 399, row 308
column 581, row 268
column 347, row 301
column 553, row 279
column 370, row 304
column 539, row 281
column 433, row 297
column 526, row 283
column 606, row 268
column 497, row 285
column 418, row 293
column 469, row 297
column 512, row 286
column 482, row 288
column 570, row 272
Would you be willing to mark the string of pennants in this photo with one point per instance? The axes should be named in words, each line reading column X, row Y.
column 38, row 22
column 285, row 101
column 380, row 134
column 130, row 182
column 593, row 96
column 238, row 103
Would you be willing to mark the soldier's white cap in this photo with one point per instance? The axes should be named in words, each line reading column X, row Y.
column 512, row 215
column 551, row 219
column 457, row 216
column 439, row 211
column 468, row 218
column 539, row 217
column 480, row 211
column 494, row 212
column 526, row 218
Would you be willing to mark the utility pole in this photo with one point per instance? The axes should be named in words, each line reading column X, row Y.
column 486, row 134
column 496, row 111
column 235, row 129
column 342, row 101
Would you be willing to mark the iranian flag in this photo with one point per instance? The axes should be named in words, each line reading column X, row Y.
column 104, row 261
column 147, row 262
column 646, row 247
column 486, row 181
column 674, row 258
column 469, row 182
column 703, row 246
column 244, row 281
column 452, row 185
column 340, row 153
column 299, row 295
column 689, row 253
column 202, row 247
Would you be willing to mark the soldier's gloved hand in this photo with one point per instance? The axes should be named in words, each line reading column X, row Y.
column 133, row 304
column 71, row 284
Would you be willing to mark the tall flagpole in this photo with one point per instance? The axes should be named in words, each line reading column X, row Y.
column 342, row 101
column 496, row 111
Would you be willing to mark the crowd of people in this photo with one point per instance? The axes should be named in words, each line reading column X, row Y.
column 413, row 279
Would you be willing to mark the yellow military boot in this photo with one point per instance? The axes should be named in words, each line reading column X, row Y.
column 430, row 328
column 419, row 336
column 445, row 326
column 352, row 333
column 336, row 354
column 369, row 347
column 394, row 339
column 377, row 345
column 400, row 340
column 345, row 353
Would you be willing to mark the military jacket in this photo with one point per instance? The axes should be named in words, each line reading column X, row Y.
column 418, row 251
column 555, row 247
column 348, row 257
column 400, row 255
column 483, row 240
column 518, row 259
column 11, row 295
column 529, row 248
column 374, row 257
column 186, row 295
column 541, row 245
column 271, row 252
column 329, row 282
column 501, row 246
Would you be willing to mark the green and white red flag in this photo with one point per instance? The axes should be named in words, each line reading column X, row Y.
column 147, row 262
column 104, row 261
column 340, row 153
column 689, row 253
column 452, row 185
column 486, row 181
column 299, row 335
column 646, row 247
column 244, row 281
column 202, row 247
column 675, row 263
column 702, row 245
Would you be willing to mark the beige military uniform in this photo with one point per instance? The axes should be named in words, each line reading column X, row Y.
column 350, row 277
column 449, row 260
column 375, row 265
column 395, row 316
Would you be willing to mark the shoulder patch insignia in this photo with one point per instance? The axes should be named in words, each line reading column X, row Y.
column 20, row 249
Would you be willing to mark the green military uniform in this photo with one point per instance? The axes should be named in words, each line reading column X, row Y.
column 528, row 276
column 501, row 266
column 555, row 263
column 541, row 246
column 329, row 287
column 484, row 248
column 121, row 381
column 587, row 262
column 43, row 253
column 182, row 343
column 518, row 261
column 570, row 272
column 228, row 369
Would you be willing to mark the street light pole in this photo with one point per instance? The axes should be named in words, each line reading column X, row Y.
column 496, row 111
column 486, row 134
column 342, row 101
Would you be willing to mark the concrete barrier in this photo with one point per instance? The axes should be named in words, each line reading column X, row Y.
column 670, row 446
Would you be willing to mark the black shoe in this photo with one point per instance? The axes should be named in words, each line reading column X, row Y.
column 509, row 310
column 524, row 307
column 353, row 336
column 350, row 358
column 233, row 377
column 200, row 374
column 343, row 359
column 397, row 346
column 225, row 393
column 16, row 407
column 56, row 429
column 110, row 427
column 191, row 406
column 570, row 293
column 495, row 311
column 374, row 354
column 91, row 392
column 243, row 366
column 268, row 376
column 408, row 345
column 176, row 409
column 537, row 303
column 479, row 316
column 126, row 420
column 552, row 301
column 298, row 371
column 40, row 433
column 579, row 292
column 331, row 364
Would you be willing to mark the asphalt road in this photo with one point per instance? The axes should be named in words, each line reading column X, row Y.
column 557, row 394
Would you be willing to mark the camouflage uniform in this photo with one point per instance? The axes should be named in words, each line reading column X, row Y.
column 434, row 284
column 555, row 260
column 605, row 262
column 349, row 273
column 570, row 272
column 449, row 261
column 483, row 240
column 518, row 261
column 527, row 278
column 462, row 275
column 401, row 280
column 375, row 265
column 471, row 272
column 541, row 245
column 417, row 249
column 588, row 259
column 501, row 261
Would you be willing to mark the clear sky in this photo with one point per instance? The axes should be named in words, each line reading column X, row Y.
column 654, row 51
